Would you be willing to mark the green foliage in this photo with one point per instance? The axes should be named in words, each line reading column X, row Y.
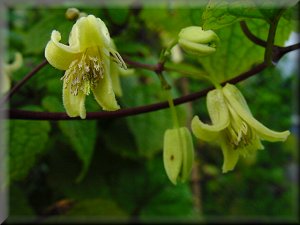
column 38, row 35
column 27, row 142
column 80, row 134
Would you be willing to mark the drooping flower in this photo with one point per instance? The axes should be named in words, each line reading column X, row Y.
column 233, row 126
column 196, row 41
column 8, row 70
column 178, row 154
column 87, row 61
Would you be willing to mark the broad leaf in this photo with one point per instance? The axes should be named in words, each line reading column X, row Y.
column 81, row 134
column 27, row 141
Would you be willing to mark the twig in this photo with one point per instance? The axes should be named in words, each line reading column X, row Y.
column 251, row 36
column 140, row 65
column 22, row 82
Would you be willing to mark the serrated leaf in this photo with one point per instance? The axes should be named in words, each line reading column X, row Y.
column 26, row 142
column 80, row 134
column 82, row 137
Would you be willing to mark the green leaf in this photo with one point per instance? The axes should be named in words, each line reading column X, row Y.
column 82, row 137
column 80, row 134
column 236, row 53
column 38, row 35
column 27, row 141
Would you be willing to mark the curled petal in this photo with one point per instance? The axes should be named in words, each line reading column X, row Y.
column 230, row 155
column 219, row 115
column 206, row 132
column 263, row 132
column 74, row 104
column 16, row 64
column 59, row 55
column 103, row 92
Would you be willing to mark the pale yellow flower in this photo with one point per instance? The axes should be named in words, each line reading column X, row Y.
column 233, row 126
column 87, row 61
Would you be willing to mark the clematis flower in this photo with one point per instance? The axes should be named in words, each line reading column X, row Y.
column 8, row 70
column 86, row 61
column 196, row 41
column 233, row 126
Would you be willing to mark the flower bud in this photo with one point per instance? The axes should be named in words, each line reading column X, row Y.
column 178, row 154
column 194, row 40
column 72, row 13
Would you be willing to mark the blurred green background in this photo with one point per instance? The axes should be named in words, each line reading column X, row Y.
column 112, row 169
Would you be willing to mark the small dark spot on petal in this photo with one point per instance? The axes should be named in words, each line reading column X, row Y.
column 172, row 157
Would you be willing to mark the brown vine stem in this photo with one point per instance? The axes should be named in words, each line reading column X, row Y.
column 251, row 36
column 31, row 115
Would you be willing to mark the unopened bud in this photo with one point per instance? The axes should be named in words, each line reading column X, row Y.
column 178, row 154
column 72, row 13
column 194, row 40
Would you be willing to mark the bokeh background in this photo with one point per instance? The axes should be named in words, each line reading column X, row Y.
column 112, row 169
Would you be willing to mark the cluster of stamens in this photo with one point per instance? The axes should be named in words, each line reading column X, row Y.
column 238, row 132
column 84, row 73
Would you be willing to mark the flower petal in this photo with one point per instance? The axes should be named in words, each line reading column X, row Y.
column 103, row 92
column 206, row 132
column 196, row 48
column 74, row 105
column 16, row 64
column 230, row 157
column 4, row 84
column 172, row 154
column 263, row 132
column 115, row 78
column 59, row 55
column 88, row 32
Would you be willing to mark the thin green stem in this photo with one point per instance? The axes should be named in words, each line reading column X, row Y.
column 172, row 108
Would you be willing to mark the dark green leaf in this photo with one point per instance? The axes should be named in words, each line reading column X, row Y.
column 27, row 141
